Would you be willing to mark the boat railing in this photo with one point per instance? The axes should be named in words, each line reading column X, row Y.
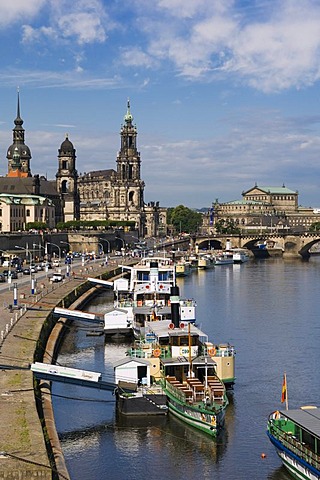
column 188, row 303
column 215, row 351
column 290, row 441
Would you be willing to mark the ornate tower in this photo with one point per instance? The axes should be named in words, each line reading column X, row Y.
column 126, row 200
column 18, row 153
column 67, row 180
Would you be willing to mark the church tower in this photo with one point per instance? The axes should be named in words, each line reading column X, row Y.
column 18, row 153
column 67, row 180
column 126, row 198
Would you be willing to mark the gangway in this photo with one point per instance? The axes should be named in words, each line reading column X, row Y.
column 79, row 315
column 99, row 281
column 74, row 376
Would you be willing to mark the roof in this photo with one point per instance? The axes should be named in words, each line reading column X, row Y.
column 244, row 202
column 97, row 173
column 307, row 418
column 273, row 190
column 123, row 361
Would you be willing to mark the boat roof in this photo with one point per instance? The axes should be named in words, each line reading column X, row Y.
column 161, row 329
column 307, row 418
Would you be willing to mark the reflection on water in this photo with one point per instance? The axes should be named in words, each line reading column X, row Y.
column 269, row 311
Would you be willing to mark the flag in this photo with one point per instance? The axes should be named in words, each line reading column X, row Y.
column 284, row 389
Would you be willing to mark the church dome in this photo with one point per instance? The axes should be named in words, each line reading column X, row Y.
column 21, row 149
column 66, row 146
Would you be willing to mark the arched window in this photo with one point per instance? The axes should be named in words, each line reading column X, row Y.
column 131, row 196
column 64, row 164
column 64, row 186
column 28, row 212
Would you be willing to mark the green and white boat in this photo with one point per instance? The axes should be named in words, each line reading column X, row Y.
column 296, row 437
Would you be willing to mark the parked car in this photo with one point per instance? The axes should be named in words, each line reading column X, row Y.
column 57, row 277
column 26, row 271
column 2, row 278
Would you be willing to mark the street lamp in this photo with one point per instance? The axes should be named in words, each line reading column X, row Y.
column 27, row 251
column 101, row 246
column 38, row 246
column 31, row 259
column 123, row 245
column 105, row 240
column 67, row 243
column 59, row 249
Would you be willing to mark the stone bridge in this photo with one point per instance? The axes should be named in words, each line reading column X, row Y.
column 287, row 244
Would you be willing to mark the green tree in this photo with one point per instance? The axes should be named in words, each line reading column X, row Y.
column 226, row 226
column 315, row 227
column 184, row 219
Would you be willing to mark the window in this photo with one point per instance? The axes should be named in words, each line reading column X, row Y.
column 28, row 213
column 64, row 186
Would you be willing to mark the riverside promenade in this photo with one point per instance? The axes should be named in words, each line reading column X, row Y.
column 23, row 453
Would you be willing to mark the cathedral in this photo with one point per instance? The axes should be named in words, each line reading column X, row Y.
column 115, row 195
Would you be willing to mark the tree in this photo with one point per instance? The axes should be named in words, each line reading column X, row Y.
column 184, row 219
column 315, row 227
column 226, row 226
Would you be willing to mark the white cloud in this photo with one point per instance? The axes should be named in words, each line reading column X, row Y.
column 14, row 11
column 84, row 26
column 271, row 52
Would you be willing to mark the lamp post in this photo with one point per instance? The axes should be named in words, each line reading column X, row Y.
column 123, row 245
column 101, row 246
column 32, row 280
column 38, row 246
column 59, row 249
column 105, row 240
column 67, row 243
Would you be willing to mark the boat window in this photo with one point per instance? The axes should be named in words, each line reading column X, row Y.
column 308, row 439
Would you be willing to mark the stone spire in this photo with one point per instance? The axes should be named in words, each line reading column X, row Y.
column 18, row 148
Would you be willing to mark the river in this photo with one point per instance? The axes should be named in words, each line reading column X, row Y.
column 269, row 310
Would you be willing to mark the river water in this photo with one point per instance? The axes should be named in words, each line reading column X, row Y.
column 269, row 310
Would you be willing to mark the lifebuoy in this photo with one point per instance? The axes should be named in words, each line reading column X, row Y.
column 139, row 303
column 171, row 326
column 181, row 325
column 161, row 287
column 157, row 352
column 147, row 287
column 211, row 351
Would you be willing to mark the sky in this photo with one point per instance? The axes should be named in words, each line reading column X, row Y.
column 225, row 94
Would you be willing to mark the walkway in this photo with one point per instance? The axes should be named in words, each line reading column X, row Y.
column 22, row 450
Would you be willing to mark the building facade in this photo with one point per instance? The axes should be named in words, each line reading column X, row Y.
column 98, row 195
column 18, row 210
column 119, row 194
column 263, row 209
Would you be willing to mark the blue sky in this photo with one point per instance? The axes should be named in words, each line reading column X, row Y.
column 224, row 93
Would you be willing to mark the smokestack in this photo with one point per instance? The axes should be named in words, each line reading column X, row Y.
column 175, row 306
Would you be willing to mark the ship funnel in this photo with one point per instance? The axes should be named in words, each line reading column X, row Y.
column 175, row 306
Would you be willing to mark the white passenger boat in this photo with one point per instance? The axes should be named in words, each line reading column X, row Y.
column 146, row 296
column 223, row 258
column 240, row 255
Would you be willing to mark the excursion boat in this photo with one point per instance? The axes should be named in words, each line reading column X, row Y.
column 204, row 262
column 192, row 372
column 295, row 433
column 240, row 255
column 146, row 295
column 183, row 268
column 224, row 258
